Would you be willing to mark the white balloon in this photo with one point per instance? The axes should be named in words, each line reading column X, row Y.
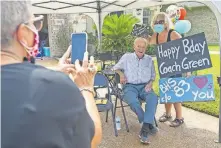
column 174, row 12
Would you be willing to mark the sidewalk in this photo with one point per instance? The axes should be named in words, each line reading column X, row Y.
column 199, row 131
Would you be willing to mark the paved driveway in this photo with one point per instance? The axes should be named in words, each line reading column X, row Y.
column 199, row 131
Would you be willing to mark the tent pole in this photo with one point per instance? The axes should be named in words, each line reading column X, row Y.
column 219, row 78
column 99, row 25
column 219, row 82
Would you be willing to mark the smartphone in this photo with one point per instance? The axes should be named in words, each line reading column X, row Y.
column 79, row 46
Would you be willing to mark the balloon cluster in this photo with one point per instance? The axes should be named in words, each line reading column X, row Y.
column 177, row 15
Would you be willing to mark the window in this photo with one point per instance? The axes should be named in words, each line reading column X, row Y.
column 145, row 21
column 117, row 12
column 130, row 11
column 146, row 12
column 146, row 16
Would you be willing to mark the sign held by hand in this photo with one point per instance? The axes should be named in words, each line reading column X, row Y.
column 183, row 55
column 140, row 31
column 192, row 89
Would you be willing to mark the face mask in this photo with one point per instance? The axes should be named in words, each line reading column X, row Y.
column 158, row 28
column 32, row 51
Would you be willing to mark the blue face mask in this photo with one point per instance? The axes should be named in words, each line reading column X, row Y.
column 158, row 28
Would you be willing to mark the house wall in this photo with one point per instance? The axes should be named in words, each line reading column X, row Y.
column 61, row 26
column 203, row 20
column 58, row 25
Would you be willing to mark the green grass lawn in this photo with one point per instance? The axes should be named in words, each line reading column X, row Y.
column 211, row 108
column 214, row 48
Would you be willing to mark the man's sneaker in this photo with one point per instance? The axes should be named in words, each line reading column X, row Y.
column 144, row 137
column 153, row 129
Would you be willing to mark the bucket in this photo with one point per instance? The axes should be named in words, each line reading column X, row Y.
column 41, row 52
column 46, row 51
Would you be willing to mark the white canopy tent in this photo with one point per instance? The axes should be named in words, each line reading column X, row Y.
column 98, row 9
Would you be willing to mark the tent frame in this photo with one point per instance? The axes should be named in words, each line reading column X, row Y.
column 82, row 4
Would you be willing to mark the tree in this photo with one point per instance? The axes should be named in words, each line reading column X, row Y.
column 116, row 32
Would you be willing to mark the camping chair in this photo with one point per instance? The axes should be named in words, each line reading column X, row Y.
column 119, row 95
column 104, row 104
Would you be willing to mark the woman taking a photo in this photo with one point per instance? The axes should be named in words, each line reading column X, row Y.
column 42, row 108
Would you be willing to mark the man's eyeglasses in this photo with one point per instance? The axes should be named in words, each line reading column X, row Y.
column 37, row 22
column 159, row 22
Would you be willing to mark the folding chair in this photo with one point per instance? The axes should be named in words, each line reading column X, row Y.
column 104, row 58
column 107, row 62
column 119, row 95
column 104, row 104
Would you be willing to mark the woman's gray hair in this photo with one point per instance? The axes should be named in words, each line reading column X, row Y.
column 168, row 21
column 13, row 13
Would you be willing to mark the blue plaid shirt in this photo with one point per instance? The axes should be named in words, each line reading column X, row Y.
column 136, row 70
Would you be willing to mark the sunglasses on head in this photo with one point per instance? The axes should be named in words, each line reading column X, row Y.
column 159, row 22
column 37, row 22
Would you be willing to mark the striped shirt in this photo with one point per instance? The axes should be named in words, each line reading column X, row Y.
column 136, row 70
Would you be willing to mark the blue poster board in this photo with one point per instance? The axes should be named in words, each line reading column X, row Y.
column 79, row 46
column 192, row 89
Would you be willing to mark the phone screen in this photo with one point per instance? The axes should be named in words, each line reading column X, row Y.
column 79, row 46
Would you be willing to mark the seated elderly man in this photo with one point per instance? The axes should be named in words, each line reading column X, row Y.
column 138, row 76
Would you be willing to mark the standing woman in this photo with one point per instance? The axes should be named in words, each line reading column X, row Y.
column 162, row 25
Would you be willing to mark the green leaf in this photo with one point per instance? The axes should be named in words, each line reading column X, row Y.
column 116, row 31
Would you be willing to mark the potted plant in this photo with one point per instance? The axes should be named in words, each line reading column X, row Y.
column 117, row 33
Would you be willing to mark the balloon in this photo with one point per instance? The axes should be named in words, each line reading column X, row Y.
column 182, row 26
column 182, row 13
column 174, row 13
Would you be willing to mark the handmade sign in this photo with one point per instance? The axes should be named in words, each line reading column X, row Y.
column 192, row 89
column 184, row 55
column 140, row 30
